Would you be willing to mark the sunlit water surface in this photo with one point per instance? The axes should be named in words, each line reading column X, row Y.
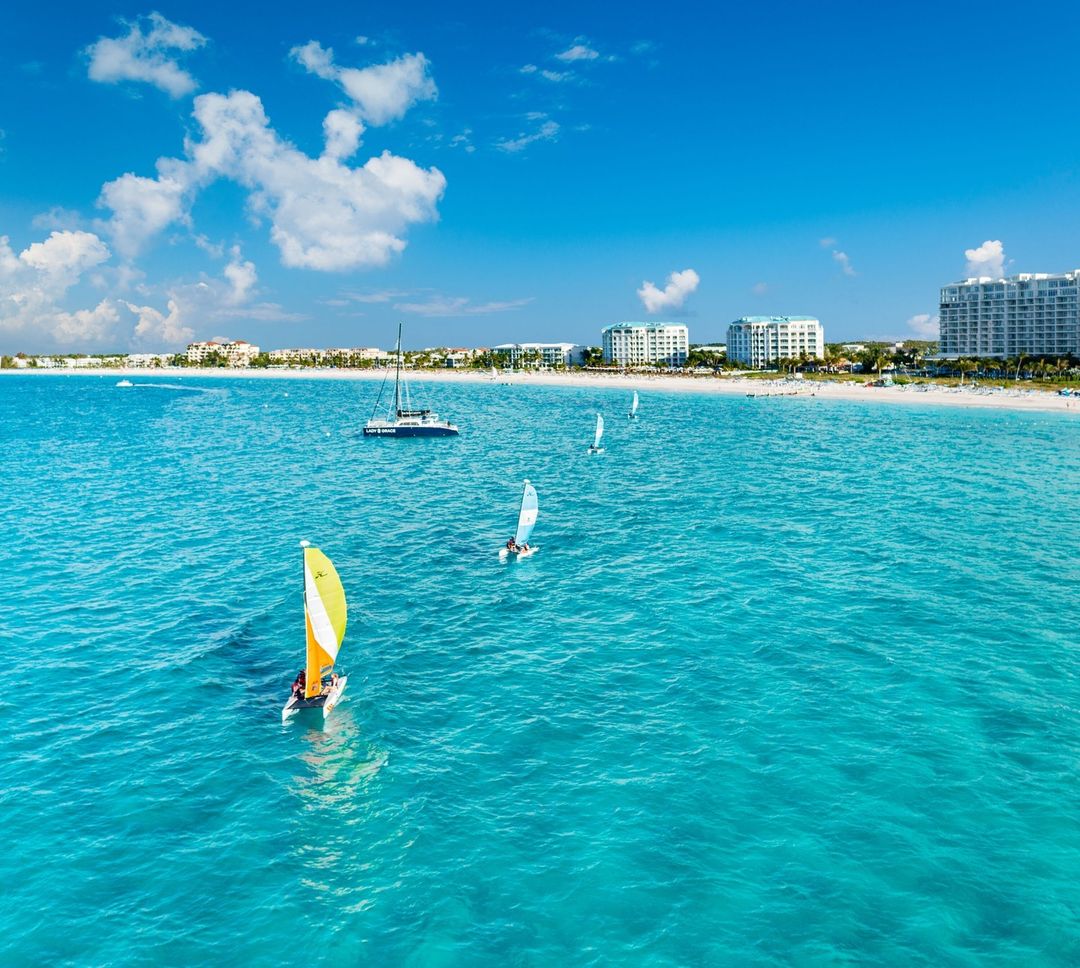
column 790, row 682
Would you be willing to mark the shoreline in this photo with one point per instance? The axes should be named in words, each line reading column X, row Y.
column 974, row 397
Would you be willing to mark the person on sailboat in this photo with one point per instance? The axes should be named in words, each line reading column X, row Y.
column 331, row 684
column 299, row 684
column 511, row 545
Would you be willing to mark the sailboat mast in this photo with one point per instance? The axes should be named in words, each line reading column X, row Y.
column 397, row 377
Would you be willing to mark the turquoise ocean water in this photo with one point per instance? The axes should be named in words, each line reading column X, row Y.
column 790, row 682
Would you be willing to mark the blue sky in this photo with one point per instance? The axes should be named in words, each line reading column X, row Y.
column 520, row 172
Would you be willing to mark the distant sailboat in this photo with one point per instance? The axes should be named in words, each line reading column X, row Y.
column 325, row 615
column 632, row 415
column 404, row 421
column 494, row 375
column 125, row 383
column 596, row 448
column 519, row 544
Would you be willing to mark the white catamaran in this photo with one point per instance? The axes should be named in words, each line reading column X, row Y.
column 519, row 543
column 325, row 615
column 404, row 421
column 632, row 415
column 596, row 448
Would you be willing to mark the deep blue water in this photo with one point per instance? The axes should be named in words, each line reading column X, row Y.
column 790, row 681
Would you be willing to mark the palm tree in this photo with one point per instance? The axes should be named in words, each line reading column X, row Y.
column 965, row 366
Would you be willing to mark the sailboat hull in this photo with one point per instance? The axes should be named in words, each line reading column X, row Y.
column 325, row 702
column 434, row 430
column 505, row 553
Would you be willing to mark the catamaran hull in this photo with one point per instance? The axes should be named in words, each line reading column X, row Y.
column 410, row 432
column 505, row 553
column 325, row 703
column 596, row 450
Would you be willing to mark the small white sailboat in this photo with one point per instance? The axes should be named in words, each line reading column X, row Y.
column 125, row 383
column 325, row 616
column 494, row 375
column 596, row 448
column 632, row 415
column 519, row 543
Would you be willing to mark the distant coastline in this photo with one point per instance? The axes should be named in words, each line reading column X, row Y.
column 977, row 396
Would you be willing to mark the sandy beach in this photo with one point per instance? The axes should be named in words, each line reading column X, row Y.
column 975, row 396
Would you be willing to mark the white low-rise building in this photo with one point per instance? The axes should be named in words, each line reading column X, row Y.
column 760, row 340
column 143, row 360
column 237, row 352
column 649, row 344
column 550, row 354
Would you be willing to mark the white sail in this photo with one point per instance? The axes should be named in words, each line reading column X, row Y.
column 494, row 373
column 527, row 515
column 634, row 405
column 599, row 431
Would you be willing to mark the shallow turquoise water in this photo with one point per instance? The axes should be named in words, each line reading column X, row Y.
column 790, row 682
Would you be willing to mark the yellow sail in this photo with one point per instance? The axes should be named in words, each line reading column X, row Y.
column 325, row 615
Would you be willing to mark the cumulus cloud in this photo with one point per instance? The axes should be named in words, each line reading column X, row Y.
column 146, row 53
column 579, row 52
column 987, row 259
column 458, row 306
column 342, row 131
column 159, row 330
column 548, row 131
column 142, row 206
column 673, row 295
column 925, row 325
column 34, row 284
column 323, row 214
column 556, row 76
column 382, row 92
column 241, row 277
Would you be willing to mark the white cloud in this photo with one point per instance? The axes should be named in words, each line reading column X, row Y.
column 459, row 306
column 323, row 214
column 241, row 276
column 827, row 243
column 145, row 53
column 925, row 325
column 64, row 256
column 987, row 259
column 578, row 52
column 673, row 295
column 556, row 76
column 381, row 92
column 342, row 131
column 529, row 69
column 548, row 131
column 845, row 262
column 154, row 329
column 142, row 207
column 34, row 284
column 760, row 288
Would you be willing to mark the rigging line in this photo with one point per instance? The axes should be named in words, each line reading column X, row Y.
column 382, row 387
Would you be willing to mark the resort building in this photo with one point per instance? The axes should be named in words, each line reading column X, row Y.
column 1031, row 314
column 235, row 352
column 643, row 344
column 758, row 341
column 142, row 360
column 540, row 354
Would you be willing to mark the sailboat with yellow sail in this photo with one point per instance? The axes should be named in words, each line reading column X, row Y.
column 317, row 686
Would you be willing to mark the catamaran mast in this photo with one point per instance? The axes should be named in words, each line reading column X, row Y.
column 397, row 377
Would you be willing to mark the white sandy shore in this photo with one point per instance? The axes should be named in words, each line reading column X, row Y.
column 981, row 396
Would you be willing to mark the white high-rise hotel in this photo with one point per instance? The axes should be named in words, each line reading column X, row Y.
column 760, row 340
column 645, row 343
column 1030, row 314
